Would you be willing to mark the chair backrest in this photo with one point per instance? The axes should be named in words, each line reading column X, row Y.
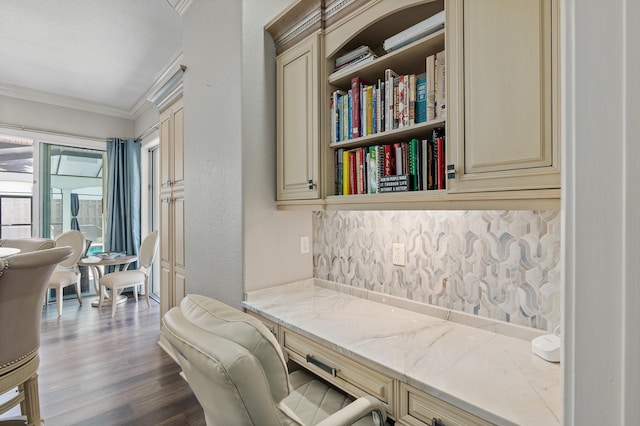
column 233, row 363
column 75, row 240
column 28, row 244
column 23, row 282
column 148, row 249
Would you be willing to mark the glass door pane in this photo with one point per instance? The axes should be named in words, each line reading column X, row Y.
column 15, row 217
column 72, row 197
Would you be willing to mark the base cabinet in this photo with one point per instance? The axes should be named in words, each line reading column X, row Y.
column 350, row 376
column 416, row 408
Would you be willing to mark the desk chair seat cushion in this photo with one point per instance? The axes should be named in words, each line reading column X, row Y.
column 122, row 279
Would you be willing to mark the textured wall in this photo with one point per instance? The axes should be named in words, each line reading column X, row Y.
column 497, row 264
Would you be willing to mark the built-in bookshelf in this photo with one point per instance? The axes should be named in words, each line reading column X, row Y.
column 387, row 117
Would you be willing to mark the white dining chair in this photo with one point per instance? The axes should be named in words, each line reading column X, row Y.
column 119, row 280
column 67, row 273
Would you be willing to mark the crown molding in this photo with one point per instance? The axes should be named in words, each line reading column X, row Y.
column 69, row 102
column 61, row 101
column 161, row 79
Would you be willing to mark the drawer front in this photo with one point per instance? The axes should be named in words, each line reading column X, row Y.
column 272, row 326
column 339, row 370
column 418, row 409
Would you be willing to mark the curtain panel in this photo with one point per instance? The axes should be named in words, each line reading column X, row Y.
column 123, row 196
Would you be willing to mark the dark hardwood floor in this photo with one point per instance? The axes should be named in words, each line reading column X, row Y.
column 95, row 370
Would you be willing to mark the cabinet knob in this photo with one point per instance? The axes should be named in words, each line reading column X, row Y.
column 451, row 171
column 311, row 184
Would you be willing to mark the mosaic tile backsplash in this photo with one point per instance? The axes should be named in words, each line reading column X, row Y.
column 503, row 265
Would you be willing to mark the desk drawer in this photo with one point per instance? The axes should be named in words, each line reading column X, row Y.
column 339, row 370
column 419, row 409
column 272, row 326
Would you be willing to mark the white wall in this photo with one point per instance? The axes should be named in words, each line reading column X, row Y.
column 234, row 234
column 271, row 237
column 212, row 43
column 55, row 119
column 601, row 207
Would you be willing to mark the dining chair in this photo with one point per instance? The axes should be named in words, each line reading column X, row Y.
column 119, row 280
column 23, row 282
column 238, row 372
column 67, row 273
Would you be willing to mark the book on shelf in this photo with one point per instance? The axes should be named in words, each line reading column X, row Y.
column 389, row 78
column 357, row 61
column 431, row 86
column 353, row 173
column 356, row 89
column 395, row 183
column 402, row 101
column 338, row 171
column 441, row 159
column 421, row 98
column 346, row 168
column 411, row 102
column 373, row 169
column 337, row 107
column 441, row 86
column 353, row 55
column 415, row 32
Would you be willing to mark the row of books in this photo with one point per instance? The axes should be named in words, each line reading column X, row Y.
column 393, row 102
column 414, row 165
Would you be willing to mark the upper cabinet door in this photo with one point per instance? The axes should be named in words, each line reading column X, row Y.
column 503, row 84
column 298, row 120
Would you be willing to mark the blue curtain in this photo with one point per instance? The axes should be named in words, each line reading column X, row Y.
column 123, row 196
column 75, row 207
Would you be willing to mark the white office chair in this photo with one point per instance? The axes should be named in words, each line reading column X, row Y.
column 119, row 280
column 238, row 372
column 67, row 273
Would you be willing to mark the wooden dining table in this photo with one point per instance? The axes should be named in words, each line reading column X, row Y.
column 97, row 263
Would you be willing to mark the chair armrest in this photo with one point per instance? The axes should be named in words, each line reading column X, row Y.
column 355, row 411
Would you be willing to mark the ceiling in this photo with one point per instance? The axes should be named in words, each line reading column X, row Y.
column 98, row 55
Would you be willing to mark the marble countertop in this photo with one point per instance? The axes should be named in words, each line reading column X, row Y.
column 489, row 374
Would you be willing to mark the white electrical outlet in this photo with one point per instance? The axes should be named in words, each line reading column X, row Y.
column 304, row 245
column 398, row 254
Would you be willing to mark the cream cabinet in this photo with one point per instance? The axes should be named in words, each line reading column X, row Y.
column 172, row 246
column 502, row 89
column 503, row 130
column 417, row 408
column 297, row 110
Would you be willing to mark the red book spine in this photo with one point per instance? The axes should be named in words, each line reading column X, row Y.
column 353, row 177
column 388, row 160
column 361, row 176
column 440, row 162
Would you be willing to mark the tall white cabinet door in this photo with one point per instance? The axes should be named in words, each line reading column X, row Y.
column 298, row 119
column 503, row 86
column 172, row 253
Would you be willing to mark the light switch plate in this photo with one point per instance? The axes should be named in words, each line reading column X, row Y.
column 304, row 245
